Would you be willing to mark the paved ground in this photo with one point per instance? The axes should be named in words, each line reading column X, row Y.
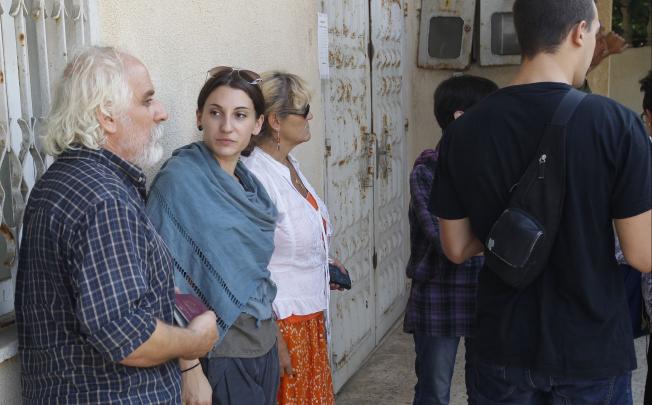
column 388, row 376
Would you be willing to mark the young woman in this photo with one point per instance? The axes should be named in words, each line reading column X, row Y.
column 299, row 265
column 218, row 222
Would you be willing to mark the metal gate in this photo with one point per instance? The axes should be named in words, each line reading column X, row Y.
column 36, row 37
column 366, row 173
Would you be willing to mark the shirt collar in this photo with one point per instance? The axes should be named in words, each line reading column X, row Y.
column 126, row 170
column 279, row 166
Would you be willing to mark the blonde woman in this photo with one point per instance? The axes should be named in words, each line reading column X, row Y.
column 299, row 264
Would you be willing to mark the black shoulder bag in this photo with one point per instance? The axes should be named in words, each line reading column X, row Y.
column 520, row 241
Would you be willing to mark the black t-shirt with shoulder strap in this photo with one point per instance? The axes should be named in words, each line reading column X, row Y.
column 573, row 320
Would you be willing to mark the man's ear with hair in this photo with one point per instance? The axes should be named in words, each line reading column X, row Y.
column 457, row 114
column 108, row 123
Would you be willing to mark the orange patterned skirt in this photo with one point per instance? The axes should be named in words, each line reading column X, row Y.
column 311, row 383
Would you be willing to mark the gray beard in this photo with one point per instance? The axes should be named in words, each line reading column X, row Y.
column 152, row 151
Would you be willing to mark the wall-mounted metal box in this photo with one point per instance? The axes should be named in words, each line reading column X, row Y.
column 446, row 33
column 497, row 37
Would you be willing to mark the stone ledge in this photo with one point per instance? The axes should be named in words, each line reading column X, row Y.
column 8, row 343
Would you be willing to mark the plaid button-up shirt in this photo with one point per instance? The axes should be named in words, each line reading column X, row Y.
column 93, row 277
column 443, row 295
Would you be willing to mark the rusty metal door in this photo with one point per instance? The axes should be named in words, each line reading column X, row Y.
column 390, row 188
column 365, row 173
column 349, row 179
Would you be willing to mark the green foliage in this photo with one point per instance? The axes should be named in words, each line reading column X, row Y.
column 640, row 12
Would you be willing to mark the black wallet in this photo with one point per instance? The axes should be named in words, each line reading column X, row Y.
column 339, row 278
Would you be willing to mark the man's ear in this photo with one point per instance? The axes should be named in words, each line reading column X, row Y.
column 457, row 114
column 107, row 122
column 579, row 32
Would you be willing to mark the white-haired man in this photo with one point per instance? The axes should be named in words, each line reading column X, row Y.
column 94, row 293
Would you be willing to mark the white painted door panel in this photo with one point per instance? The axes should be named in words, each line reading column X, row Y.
column 390, row 189
column 349, row 195
column 365, row 174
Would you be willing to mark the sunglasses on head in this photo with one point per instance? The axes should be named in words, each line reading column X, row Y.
column 248, row 76
column 303, row 113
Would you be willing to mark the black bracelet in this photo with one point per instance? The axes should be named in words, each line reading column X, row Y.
column 190, row 368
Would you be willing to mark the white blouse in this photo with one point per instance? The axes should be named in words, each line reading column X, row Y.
column 299, row 264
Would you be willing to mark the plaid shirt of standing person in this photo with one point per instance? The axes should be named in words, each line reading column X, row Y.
column 93, row 278
column 443, row 295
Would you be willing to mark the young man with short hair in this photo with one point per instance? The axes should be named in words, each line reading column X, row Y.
column 567, row 335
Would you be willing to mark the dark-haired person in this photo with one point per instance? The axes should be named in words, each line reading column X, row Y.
column 218, row 222
column 566, row 337
column 441, row 307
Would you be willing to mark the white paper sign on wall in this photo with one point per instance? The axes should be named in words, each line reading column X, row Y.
column 322, row 44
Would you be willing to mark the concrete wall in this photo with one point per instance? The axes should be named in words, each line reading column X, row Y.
column 626, row 71
column 180, row 40
column 600, row 76
column 423, row 131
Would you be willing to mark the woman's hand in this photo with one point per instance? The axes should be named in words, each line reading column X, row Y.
column 284, row 360
column 195, row 388
column 340, row 266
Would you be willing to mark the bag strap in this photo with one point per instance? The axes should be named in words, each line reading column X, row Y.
column 560, row 118
column 567, row 107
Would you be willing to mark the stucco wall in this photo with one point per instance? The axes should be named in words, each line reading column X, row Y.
column 180, row 40
column 600, row 76
column 626, row 71
column 423, row 131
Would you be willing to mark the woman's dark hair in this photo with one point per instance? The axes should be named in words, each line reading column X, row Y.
column 542, row 25
column 459, row 93
column 646, row 88
column 233, row 79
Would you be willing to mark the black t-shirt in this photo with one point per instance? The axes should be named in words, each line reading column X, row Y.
column 573, row 320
